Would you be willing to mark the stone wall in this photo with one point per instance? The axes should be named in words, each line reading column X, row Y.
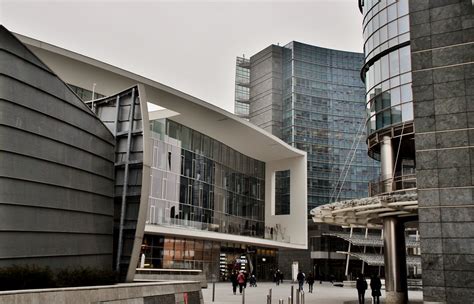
column 133, row 293
column 442, row 46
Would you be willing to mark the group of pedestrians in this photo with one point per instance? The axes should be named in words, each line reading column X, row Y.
column 309, row 279
column 240, row 279
column 278, row 277
column 375, row 285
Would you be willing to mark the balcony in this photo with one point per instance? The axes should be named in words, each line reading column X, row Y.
column 400, row 182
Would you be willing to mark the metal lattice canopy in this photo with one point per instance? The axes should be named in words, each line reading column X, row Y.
column 371, row 240
column 367, row 212
column 374, row 259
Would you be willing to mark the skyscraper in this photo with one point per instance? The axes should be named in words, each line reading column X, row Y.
column 313, row 99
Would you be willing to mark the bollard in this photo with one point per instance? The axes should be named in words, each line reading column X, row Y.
column 270, row 294
column 292, row 287
column 289, row 300
column 213, row 291
column 280, row 301
column 243, row 296
column 269, row 299
column 302, row 297
column 298, row 296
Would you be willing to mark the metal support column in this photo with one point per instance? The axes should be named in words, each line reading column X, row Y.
column 348, row 256
column 386, row 163
column 395, row 261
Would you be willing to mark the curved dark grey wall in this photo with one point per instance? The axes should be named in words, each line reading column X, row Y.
column 56, row 168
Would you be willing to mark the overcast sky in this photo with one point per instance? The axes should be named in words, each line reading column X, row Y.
column 188, row 45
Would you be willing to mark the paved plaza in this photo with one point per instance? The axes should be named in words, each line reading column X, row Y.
column 324, row 293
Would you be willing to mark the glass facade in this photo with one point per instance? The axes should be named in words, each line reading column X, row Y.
column 84, row 94
column 215, row 259
column 323, row 112
column 242, row 87
column 389, row 98
column 388, row 69
column 170, row 252
column 199, row 183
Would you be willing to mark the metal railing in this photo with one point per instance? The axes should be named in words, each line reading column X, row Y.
column 398, row 183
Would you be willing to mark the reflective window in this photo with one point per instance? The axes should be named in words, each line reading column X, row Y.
column 282, row 192
column 204, row 184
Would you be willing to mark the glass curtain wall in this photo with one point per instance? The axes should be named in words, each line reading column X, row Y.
column 323, row 111
column 200, row 183
column 388, row 71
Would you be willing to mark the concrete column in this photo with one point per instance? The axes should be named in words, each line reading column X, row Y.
column 395, row 261
column 386, row 163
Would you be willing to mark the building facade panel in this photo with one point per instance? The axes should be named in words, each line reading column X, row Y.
column 41, row 168
column 443, row 65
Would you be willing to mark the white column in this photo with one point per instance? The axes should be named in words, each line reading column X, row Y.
column 386, row 163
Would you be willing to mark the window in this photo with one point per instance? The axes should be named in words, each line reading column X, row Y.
column 282, row 192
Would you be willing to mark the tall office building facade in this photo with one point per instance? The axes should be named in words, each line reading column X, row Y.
column 313, row 99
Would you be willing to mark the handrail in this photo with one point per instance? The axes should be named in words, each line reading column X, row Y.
column 397, row 183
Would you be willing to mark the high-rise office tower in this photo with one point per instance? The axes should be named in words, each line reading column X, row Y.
column 313, row 99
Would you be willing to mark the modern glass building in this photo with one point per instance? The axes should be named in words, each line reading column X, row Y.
column 323, row 114
column 313, row 99
column 419, row 76
column 389, row 97
column 195, row 186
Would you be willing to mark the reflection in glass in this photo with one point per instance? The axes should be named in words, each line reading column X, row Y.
column 396, row 114
column 407, row 111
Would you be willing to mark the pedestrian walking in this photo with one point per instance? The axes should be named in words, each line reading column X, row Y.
column 253, row 281
column 233, row 280
column 361, row 285
column 241, row 280
column 376, row 285
column 300, row 278
column 277, row 277
column 310, row 281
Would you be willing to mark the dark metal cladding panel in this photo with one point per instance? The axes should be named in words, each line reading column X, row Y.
column 56, row 169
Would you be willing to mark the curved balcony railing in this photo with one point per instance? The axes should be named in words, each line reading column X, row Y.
column 398, row 183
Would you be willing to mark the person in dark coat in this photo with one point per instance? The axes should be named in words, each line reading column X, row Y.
column 376, row 285
column 300, row 278
column 310, row 281
column 361, row 285
column 233, row 279
column 277, row 276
